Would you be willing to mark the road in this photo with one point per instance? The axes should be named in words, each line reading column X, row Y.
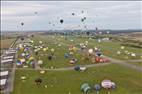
column 125, row 63
column 65, row 68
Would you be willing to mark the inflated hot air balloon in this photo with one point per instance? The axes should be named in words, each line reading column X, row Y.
column 82, row 20
column 73, row 14
column 97, row 87
column 44, row 49
column 22, row 23
column 90, row 51
column 96, row 28
column 35, row 12
column 52, row 50
column 61, row 21
column 85, row 87
column 108, row 84
column 82, row 11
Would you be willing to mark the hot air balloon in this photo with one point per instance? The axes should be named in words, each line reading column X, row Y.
column 96, row 28
column 73, row 14
column 35, row 12
column 61, row 21
column 22, row 23
column 82, row 20
column 82, row 11
column 97, row 87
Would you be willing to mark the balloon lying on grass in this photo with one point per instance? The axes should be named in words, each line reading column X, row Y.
column 90, row 51
column 97, row 87
column 85, row 88
column 40, row 42
column 52, row 50
column 42, row 72
column 23, row 77
column 122, row 47
column 38, row 81
column 44, row 49
column 108, row 84
column 40, row 62
column 118, row 52
column 133, row 54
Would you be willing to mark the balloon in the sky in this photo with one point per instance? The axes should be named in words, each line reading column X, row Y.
column 82, row 20
column 96, row 28
column 49, row 22
column 73, row 14
column 22, row 23
column 35, row 12
column 61, row 21
column 82, row 11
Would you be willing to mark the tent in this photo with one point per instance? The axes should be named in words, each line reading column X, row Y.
column 3, row 83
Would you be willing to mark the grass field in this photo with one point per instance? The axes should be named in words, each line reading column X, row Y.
column 128, row 81
column 108, row 48
column 5, row 43
column 62, row 82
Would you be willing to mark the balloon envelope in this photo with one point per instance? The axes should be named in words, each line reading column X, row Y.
column 106, row 84
column 97, row 87
column 61, row 21
column 22, row 23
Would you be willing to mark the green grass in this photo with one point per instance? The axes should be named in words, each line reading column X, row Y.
column 5, row 43
column 61, row 82
column 108, row 48
column 136, row 63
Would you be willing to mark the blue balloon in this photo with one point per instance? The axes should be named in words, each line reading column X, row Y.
column 66, row 55
column 77, row 68
column 97, row 87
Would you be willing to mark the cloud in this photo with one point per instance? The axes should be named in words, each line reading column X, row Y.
column 105, row 14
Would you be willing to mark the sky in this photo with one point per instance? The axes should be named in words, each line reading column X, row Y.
column 100, row 14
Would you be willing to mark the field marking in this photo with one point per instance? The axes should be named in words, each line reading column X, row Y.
column 64, row 68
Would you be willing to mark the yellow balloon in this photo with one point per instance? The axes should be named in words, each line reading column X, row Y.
column 44, row 49
column 31, row 58
column 74, row 49
column 52, row 50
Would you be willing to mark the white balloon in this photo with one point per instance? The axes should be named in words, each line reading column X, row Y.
column 40, row 42
column 133, row 55
column 122, row 47
column 118, row 52
column 90, row 51
column 106, row 84
column 40, row 62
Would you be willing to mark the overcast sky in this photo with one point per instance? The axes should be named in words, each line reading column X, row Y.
column 103, row 14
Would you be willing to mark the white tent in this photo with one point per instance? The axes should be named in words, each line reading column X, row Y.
column 8, row 57
column 7, row 61
column 10, row 52
column 3, row 82
column 4, row 73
